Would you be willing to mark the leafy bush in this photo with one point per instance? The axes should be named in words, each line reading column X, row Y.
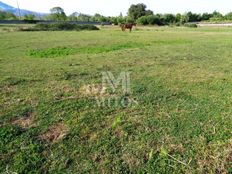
column 150, row 19
column 177, row 24
column 216, row 19
column 60, row 27
column 142, row 20
column 190, row 25
column 153, row 20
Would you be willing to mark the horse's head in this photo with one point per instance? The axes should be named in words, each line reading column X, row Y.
column 122, row 26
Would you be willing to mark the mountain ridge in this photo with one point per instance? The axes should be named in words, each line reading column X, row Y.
column 7, row 8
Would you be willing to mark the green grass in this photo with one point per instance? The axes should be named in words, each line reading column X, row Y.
column 95, row 49
column 180, row 77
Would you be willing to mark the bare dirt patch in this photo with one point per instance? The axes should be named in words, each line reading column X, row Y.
column 55, row 133
column 25, row 122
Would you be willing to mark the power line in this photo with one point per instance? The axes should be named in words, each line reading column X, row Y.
column 19, row 12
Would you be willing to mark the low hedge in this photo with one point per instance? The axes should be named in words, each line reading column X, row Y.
column 60, row 27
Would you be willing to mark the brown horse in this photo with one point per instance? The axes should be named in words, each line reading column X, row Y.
column 127, row 26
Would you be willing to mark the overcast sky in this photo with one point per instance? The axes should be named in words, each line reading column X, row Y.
column 114, row 7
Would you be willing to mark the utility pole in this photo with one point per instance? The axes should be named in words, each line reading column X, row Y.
column 19, row 12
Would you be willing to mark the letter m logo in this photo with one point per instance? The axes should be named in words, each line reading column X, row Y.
column 108, row 79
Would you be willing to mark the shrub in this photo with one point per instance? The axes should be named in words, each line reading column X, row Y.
column 150, row 19
column 142, row 20
column 60, row 27
column 177, row 24
column 153, row 20
column 190, row 25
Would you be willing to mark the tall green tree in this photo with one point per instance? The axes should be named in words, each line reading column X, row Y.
column 228, row 16
column 58, row 14
column 184, row 18
column 84, row 17
column 178, row 17
column 206, row 16
column 193, row 17
column 169, row 18
column 217, row 15
column 73, row 16
column 121, row 19
column 138, row 10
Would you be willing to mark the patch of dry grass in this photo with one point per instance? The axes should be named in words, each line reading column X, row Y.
column 55, row 133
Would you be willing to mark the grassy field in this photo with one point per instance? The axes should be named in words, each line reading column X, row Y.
column 180, row 78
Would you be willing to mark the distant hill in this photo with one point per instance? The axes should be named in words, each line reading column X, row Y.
column 8, row 8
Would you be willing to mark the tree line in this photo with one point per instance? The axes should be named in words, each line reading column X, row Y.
column 137, row 13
